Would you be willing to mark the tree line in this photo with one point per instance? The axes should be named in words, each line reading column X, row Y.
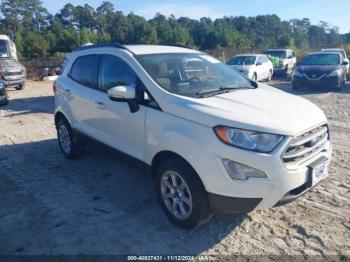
column 38, row 33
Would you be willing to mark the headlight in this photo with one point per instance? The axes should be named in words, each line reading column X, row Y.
column 249, row 140
column 337, row 72
column 298, row 74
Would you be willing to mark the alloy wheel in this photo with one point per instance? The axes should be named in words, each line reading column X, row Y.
column 64, row 139
column 176, row 195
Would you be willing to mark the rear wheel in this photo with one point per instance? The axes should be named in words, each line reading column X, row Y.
column 70, row 146
column 181, row 194
column 20, row 87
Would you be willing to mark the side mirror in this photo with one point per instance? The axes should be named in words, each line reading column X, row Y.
column 345, row 63
column 258, row 63
column 124, row 93
column 290, row 57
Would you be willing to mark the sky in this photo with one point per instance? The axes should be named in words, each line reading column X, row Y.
column 334, row 12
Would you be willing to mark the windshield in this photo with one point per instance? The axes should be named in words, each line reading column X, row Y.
column 192, row 74
column 279, row 54
column 4, row 50
column 242, row 60
column 321, row 59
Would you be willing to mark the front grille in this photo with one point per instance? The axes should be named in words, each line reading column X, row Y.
column 13, row 73
column 315, row 75
column 306, row 145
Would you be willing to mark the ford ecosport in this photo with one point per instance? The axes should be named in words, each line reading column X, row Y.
column 217, row 142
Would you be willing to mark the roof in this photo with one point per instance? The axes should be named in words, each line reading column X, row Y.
column 325, row 53
column 281, row 49
column 4, row 37
column 140, row 49
column 332, row 49
column 158, row 49
column 249, row 55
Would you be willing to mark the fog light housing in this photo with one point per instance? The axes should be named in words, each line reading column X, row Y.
column 239, row 171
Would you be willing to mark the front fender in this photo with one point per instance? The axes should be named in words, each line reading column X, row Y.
column 165, row 132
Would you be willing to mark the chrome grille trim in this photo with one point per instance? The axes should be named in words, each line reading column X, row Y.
column 306, row 145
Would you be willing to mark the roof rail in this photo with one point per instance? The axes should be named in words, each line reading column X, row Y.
column 115, row 45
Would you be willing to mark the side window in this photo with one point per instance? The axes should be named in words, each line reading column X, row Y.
column 260, row 60
column 84, row 70
column 114, row 72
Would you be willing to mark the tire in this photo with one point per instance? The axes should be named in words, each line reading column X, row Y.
column 255, row 77
column 20, row 87
column 188, row 213
column 70, row 146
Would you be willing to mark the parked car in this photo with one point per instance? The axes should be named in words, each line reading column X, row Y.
column 323, row 69
column 342, row 52
column 215, row 141
column 12, row 73
column 255, row 67
column 285, row 60
column 3, row 94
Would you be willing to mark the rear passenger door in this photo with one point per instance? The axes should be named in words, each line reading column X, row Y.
column 79, row 92
column 117, row 126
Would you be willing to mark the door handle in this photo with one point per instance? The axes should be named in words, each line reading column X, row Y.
column 101, row 105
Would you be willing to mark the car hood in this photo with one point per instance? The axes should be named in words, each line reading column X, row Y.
column 263, row 109
column 318, row 69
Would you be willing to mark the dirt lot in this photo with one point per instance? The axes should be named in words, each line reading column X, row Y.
column 102, row 204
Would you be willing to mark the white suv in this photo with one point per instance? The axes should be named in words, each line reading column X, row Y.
column 216, row 141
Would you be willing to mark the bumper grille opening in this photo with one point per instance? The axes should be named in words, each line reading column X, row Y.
column 306, row 145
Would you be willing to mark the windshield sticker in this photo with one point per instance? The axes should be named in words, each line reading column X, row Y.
column 210, row 59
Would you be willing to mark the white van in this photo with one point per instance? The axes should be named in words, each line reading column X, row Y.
column 11, row 48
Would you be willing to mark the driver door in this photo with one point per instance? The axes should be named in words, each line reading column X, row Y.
column 117, row 126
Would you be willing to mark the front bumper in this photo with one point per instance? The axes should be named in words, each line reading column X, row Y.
column 13, row 81
column 284, row 183
column 231, row 205
column 333, row 81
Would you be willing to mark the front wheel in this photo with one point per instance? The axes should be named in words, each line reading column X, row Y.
column 254, row 77
column 20, row 87
column 181, row 194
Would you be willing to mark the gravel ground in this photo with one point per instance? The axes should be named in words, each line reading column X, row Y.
column 104, row 204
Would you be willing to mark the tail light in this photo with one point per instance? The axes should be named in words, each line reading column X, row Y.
column 54, row 87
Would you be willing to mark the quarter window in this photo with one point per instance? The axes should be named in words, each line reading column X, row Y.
column 114, row 72
column 84, row 70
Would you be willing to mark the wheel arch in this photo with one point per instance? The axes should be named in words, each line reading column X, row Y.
column 167, row 154
column 60, row 115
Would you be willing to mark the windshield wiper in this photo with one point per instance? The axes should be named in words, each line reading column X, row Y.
column 221, row 90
